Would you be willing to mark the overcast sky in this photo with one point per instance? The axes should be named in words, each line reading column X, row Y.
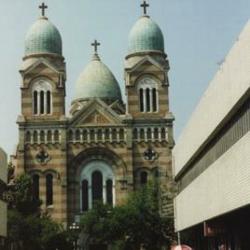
column 198, row 35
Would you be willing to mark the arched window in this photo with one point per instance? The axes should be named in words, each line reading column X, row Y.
column 148, row 97
column 85, row 135
column 149, row 134
column 156, row 134
column 49, row 189
column 135, row 134
column 154, row 99
column 141, row 101
column 121, row 134
column 143, row 177
column 42, row 97
column 48, row 99
column 42, row 136
column 147, row 100
column 97, row 186
column 35, row 137
column 35, row 100
column 35, row 188
column 56, row 136
column 85, row 195
column 99, row 135
column 78, row 135
column 109, row 192
column 49, row 136
column 28, row 136
column 106, row 135
column 42, row 102
column 163, row 134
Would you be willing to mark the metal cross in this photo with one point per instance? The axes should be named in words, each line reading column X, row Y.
column 43, row 7
column 145, row 5
column 95, row 44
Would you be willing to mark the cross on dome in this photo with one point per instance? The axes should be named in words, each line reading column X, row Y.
column 95, row 44
column 43, row 7
column 145, row 5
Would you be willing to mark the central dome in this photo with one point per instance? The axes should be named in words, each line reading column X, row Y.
column 97, row 80
column 42, row 38
column 146, row 36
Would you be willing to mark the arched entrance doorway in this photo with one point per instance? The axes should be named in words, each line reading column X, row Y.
column 97, row 183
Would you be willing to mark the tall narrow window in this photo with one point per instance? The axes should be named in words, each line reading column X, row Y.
column 97, row 188
column 109, row 192
column 141, row 101
column 42, row 102
column 49, row 189
column 28, row 136
column 35, row 180
column 35, row 110
column 56, row 136
column 35, row 137
column 48, row 102
column 85, row 195
column 154, row 101
column 49, row 136
column 78, row 135
column 42, row 97
column 148, row 100
column 42, row 136
column 144, row 178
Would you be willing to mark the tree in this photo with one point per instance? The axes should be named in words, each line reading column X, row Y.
column 132, row 225
column 28, row 228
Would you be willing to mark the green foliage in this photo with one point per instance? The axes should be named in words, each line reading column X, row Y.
column 132, row 225
column 28, row 229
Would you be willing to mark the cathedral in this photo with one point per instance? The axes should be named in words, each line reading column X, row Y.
column 106, row 147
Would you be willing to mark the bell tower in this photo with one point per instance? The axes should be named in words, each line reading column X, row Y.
column 147, row 93
column 41, row 148
column 43, row 72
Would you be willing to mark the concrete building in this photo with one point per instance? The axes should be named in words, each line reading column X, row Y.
column 104, row 148
column 3, row 205
column 212, row 159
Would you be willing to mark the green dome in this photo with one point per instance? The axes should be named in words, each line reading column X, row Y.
column 145, row 36
column 43, row 37
column 97, row 80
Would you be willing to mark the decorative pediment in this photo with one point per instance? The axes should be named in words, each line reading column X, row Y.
column 41, row 66
column 147, row 64
column 96, row 112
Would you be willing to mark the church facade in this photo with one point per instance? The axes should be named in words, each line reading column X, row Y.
column 104, row 149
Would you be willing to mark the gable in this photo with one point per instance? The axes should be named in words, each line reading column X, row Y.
column 40, row 67
column 147, row 64
column 96, row 118
column 95, row 113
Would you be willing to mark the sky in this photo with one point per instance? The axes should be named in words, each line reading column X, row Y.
column 198, row 35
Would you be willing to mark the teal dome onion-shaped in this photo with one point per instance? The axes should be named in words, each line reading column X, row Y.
column 97, row 81
column 146, row 36
column 42, row 38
